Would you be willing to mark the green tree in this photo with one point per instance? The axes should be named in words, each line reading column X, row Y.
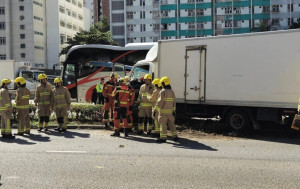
column 98, row 34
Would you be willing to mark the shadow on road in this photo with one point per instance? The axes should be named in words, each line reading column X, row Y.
column 191, row 144
column 17, row 140
column 37, row 137
column 68, row 134
column 139, row 138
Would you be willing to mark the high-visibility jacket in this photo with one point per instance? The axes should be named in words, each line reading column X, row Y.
column 108, row 88
column 22, row 98
column 5, row 100
column 132, row 95
column 166, row 103
column 99, row 87
column 145, row 90
column 61, row 97
column 122, row 95
column 43, row 97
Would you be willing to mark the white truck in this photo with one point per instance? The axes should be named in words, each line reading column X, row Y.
column 243, row 79
column 11, row 69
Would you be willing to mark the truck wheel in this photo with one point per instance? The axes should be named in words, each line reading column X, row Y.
column 238, row 120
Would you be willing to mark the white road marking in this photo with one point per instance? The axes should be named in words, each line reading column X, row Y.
column 75, row 152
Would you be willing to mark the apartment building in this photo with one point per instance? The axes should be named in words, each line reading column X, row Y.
column 23, row 31
column 148, row 21
column 101, row 9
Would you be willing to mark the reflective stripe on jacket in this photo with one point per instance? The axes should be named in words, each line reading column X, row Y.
column 22, row 98
column 166, row 103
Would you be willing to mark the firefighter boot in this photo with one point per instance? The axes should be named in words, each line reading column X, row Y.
column 116, row 134
column 126, row 131
column 161, row 140
column 10, row 136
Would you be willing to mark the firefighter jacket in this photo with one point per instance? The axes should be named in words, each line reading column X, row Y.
column 5, row 100
column 154, row 97
column 145, row 90
column 43, row 95
column 166, row 103
column 108, row 88
column 132, row 95
column 122, row 95
column 61, row 98
column 22, row 98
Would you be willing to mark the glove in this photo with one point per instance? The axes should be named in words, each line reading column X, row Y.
column 106, row 99
column 117, row 103
column 153, row 113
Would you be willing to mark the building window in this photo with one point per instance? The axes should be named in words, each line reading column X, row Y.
column 164, row 27
column 2, row 25
column 142, row 2
column 37, row 3
column 130, row 27
column 23, row 55
column 39, row 48
column 143, row 27
column 22, row 46
column 117, row 5
column 2, row 10
column 200, row 12
column 21, row 8
column 38, row 18
column 61, row 9
column 74, row 15
column 62, row 23
column 22, row 36
column 275, row 8
column 68, row 1
column 200, row 26
column 129, row 40
column 118, row 30
column 22, row 27
column 117, row 18
column 155, row 15
column 155, row 27
column 2, row 56
column 191, row 1
column 191, row 26
column 155, row 39
column 80, row 17
column 191, row 12
column 143, row 39
column 275, row 22
column 228, row 24
column 129, row 15
column 266, row 9
column 69, row 12
column 62, row 38
column 74, row 28
column 291, row 7
column 2, row 40
column 228, row 10
column 129, row 2
column 164, row 14
column 69, row 25
column 38, row 33
column 142, row 14
column 74, row 2
column 237, row 11
column 79, row 4
column 21, row 0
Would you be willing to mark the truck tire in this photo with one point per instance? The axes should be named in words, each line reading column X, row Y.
column 238, row 120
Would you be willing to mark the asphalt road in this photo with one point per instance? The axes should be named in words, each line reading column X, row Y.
column 93, row 159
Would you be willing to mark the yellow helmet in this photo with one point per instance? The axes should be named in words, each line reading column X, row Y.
column 5, row 81
column 147, row 76
column 122, row 80
column 165, row 80
column 57, row 80
column 42, row 76
column 156, row 82
column 114, row 75
column 127, row 78
column 20, row 80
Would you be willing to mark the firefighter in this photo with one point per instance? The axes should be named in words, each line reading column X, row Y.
column 145, row 107
column 122, row 96
column 61, row 101
column 130, row 104
column 43, row 96
column 153, row 98
column 166, row 107
column 22, row 105
column 109, row 87
column 5, row 110
column 99, row 88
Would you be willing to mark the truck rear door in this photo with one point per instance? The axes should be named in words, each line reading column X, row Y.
column 195, row 73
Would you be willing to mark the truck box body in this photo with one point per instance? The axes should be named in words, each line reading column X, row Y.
column 243, row 78
column 260, row 70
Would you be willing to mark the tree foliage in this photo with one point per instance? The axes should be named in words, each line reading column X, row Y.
column 98, row 34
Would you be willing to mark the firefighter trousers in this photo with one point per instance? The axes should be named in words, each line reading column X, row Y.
column 145, row 112
column 23, row 121
column 108, row 106
column 164, row 121
column 120, row 112
column 5, row 122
